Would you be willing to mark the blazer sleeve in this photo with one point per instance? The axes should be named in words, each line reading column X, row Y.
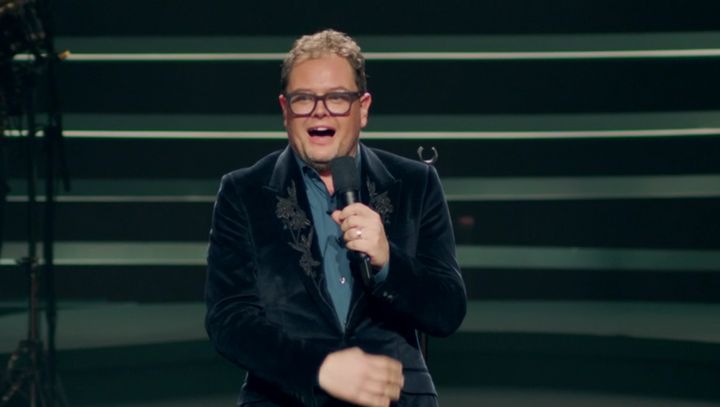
column 426, row 289
column 235, row 319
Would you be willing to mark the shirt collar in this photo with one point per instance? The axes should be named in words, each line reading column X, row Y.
column 309, row 171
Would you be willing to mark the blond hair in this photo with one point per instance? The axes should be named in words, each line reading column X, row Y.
column 323, row 43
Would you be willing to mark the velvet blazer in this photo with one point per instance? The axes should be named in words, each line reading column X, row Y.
column 268, row 310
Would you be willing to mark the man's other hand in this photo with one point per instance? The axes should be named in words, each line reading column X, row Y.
column 361, row 378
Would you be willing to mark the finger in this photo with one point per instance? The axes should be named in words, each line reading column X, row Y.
column 391, row 379
column 386, row 362
column 356, row 208
column 360, row 246
column 353, row 221
column 348, row 211
column 389, row 372
column 377, row 387
column 337, row 216
column 340, row 215
column 396, row 396
column 361, row 229
column 363, row 222
column 383, row 388
column 386, row 369
column 393, row 392
column 355, row 233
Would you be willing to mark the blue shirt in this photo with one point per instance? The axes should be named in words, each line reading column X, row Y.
column 336, row 266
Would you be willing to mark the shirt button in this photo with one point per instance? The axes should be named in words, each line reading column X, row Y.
column 342, row 280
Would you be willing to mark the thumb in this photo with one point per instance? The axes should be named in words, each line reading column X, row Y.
column 336, row 216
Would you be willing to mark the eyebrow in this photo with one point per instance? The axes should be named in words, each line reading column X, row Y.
column 331, row 90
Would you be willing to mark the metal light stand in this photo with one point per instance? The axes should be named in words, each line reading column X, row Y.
column 4, row 188
column 54, row 163
column 26, row 369
column 422, row 336
column 31, row 371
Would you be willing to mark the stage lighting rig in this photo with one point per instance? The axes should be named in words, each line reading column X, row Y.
column 21, row 31
column 25, row 28
column 20, row 28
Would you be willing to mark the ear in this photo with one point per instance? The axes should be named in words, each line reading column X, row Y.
column 284, row 107
column 365, row 102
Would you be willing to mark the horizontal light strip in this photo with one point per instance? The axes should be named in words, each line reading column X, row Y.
column 615, row 319
column 457, row 189
column 391, row 135
column 573, row 258
column 136, row 199
column 115, row 253
column 398, row 56
column 554, row 196
column 675, row 53
column 478, row 189
column 503, row 257
column 121, row 199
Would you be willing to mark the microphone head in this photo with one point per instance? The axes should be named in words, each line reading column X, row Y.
column 344, row 174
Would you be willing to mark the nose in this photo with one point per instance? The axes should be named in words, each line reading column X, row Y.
column 320, row 109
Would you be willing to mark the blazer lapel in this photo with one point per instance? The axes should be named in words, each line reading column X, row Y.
column 380, row 191
column 292, row 209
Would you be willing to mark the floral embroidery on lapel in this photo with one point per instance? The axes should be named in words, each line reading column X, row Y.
column 294, row 219
column 380, row 203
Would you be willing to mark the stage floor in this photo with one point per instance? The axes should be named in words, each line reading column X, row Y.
column 580, row 354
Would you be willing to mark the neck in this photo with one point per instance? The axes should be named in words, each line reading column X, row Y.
column 326, row 178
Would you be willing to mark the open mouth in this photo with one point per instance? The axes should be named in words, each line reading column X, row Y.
column 321, row 131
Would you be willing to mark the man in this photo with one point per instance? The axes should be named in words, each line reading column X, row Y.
column 284, row 300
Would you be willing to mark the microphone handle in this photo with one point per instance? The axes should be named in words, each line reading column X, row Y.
column 366, row 271
column 349, row 197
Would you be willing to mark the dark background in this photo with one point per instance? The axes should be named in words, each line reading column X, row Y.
column 138, row 189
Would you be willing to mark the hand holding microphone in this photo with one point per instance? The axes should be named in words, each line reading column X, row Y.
column 362, row 228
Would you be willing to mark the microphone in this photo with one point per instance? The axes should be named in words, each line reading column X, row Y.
column 345, row 181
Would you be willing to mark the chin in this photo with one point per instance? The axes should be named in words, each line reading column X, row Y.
column 322, row 160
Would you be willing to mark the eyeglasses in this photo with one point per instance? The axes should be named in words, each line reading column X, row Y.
column 336, row 103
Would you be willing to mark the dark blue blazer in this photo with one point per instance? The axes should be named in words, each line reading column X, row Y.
column 268, row 310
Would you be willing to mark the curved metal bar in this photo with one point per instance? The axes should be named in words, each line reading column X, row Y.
column 432, row 160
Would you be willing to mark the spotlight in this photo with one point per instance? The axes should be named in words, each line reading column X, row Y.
column 20, row 31
column 20, row 28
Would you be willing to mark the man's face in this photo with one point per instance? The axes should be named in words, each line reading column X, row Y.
column 320, row 137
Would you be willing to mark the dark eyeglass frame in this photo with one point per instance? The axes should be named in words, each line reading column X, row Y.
column 353, row 96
